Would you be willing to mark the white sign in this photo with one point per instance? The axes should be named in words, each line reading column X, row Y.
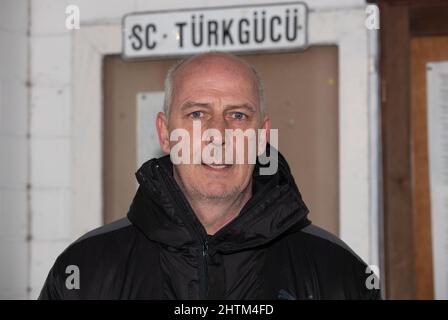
column 437, row 88
column 235, row 29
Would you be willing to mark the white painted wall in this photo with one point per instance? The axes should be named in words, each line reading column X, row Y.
column 13, row 149
column 50, row 127
column 46, row 162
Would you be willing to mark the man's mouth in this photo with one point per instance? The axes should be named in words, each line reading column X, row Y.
column 217, row 166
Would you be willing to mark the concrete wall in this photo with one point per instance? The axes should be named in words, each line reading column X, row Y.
column 50, row 177
column 14, row 149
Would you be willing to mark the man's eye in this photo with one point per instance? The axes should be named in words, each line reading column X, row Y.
column 196, row 114
column 239, row 116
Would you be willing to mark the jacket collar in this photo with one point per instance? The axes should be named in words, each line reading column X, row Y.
column 162, row 213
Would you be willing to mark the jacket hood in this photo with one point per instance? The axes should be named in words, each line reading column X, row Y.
column 161, row 211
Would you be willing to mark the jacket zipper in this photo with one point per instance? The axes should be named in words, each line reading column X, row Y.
column 201, row 234
column 205, row 265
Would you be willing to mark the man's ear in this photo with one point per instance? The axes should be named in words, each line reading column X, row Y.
column 163, row 132
column 267, row 126
column 263, row 139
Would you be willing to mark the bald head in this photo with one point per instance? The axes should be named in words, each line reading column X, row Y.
column 214, row 66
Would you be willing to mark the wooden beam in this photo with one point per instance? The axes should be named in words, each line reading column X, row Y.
column 396, row 139
column 429, row 21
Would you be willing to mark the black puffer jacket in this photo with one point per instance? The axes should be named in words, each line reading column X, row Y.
column 161, row 251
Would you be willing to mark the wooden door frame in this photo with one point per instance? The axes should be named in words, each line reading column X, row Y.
column 401, row 20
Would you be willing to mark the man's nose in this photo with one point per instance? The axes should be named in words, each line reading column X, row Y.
column 218, row 124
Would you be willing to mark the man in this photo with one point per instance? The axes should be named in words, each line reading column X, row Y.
column 211, row 229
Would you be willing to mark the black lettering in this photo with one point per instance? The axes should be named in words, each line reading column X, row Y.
column 212, row 31
column 279, row 36
column 136, row 30
column 150, row 45
column 294, row 27
column 181, row 25
column 199, row 28
column 241, row 32
column 256, row 26
column 226, row 31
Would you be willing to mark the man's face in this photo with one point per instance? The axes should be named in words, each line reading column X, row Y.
column 220, row 93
